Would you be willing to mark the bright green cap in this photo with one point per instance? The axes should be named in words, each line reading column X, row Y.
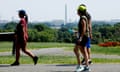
column 82, row 8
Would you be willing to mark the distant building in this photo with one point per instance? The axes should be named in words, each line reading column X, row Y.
column 65, row 21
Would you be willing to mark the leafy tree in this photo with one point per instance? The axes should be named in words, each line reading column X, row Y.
column 64, row 35
column 47, row 36
column 10, row 26
column 41, row 27
column 33, row 35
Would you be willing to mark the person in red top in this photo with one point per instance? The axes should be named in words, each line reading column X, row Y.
column 21, row 37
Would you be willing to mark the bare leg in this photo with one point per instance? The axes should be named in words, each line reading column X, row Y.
column 85, row 54
column 25, row 50
column 28, row 52
column 17, row 52
column 76, row 51
column 89, row 52
column 17, row 55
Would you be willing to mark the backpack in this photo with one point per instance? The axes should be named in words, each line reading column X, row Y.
column 87, row 26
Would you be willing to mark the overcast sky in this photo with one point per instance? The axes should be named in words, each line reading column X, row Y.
column 48, row 10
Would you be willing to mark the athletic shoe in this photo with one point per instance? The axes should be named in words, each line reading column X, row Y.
column 15, row 64
column 90, row 62
column 79, row 68
column 35, row 59
column 86, row 68
column 83, row 62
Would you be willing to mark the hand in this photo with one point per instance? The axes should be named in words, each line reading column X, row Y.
column 91, row 36
column 80, row 39
column 15, row 35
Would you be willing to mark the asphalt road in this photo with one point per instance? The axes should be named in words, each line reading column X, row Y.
column 57, row 68
column 62, row 52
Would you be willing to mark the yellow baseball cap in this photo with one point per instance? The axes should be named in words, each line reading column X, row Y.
column 82, row 8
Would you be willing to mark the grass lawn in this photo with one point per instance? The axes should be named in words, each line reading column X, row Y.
column 102, row 50
column 7, row 46
column 53, row 60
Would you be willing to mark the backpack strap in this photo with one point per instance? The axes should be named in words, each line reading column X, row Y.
column 87, row 26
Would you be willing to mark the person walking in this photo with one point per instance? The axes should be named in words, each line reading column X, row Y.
column 21, row 37
column 88, row 45
column 83, row 36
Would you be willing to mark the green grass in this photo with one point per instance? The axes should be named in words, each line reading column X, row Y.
column 53, row 60
column 33, row 45
column 106, row 50
column 102, row 50
column 7, row 46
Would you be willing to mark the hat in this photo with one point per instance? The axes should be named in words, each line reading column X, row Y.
column 82, row 8
column 22, row 12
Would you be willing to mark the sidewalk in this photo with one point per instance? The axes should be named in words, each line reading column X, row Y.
column 62, row 52
column 58, row 68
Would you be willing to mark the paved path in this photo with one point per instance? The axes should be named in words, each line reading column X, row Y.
column 62, row 52
column 58, row 68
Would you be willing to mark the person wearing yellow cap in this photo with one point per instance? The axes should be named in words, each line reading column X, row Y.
column 83, row 38
column 90, row 37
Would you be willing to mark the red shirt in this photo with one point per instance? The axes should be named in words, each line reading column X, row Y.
column 24, row 25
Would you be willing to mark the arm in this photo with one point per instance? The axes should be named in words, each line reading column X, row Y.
column 83, row 22
column 23, row 29
column 90, row 28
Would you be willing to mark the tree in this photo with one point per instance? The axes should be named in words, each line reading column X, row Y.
column 41, row 27
column 47, row 36
column 10, row 26
column 33, row 35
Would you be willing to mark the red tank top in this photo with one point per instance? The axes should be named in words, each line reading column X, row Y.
column 24, row 24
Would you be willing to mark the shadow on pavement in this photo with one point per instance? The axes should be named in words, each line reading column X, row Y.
column 4, row 65
column 68, row 71
column 66, row 65
column 62, row 71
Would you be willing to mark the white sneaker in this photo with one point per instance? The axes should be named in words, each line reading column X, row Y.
column 79, row 68
column 86, row 68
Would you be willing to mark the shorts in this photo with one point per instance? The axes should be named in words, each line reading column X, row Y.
column 21, row 42
column 83, row 42
column 88, row 42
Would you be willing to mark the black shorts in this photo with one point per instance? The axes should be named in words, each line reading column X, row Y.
column 83, row 42
column 21, row 42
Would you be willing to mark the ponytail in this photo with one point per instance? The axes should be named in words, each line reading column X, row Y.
column 26, row 18
column 22, row 14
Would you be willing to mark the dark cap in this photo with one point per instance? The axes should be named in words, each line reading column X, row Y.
column 22, row 12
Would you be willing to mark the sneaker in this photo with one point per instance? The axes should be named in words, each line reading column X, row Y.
column 86, row 68
column 35, row 59
column 90, row 62
column 83, row 62
column 15, row 64
column 79, row 68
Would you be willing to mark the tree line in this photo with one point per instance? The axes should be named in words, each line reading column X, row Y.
column 41, row 32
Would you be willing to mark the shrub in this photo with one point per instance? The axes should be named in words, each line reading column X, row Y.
column 109, row 44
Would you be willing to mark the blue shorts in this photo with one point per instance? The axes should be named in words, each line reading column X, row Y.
column 88, row 42
column 83, row 42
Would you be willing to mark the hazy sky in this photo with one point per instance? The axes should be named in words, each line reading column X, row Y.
column 47, row 10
